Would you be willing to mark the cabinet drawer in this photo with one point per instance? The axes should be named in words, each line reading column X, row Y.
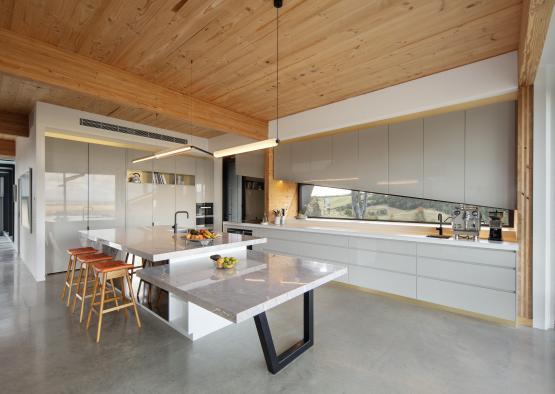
column 472, row 274
column 495, row 303
column 471, row 255
column 309, row 238
column 387, row 261
column 317, row 252
column 386, row 281
column 383, row 245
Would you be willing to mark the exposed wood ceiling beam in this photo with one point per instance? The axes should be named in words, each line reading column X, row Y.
column 536, row 15
column 7, row 148
column 31, row 59
column 14, row 124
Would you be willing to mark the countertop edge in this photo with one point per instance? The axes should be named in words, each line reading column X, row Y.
column 483, row 244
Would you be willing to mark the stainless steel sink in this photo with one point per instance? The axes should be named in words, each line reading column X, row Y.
column 438, row 236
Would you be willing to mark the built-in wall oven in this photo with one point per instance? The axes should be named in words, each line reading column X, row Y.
column 205, row 215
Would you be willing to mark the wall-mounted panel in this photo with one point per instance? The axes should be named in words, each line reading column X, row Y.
column 406, row 158
column 372, row 167
column 490, row 156
column 444, row 157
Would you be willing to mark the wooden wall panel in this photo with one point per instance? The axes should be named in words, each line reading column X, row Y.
column 524, row 201
column 7, row 148
column 278, row 194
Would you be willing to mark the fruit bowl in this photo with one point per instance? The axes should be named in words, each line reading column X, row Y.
column 224, row 262
column 204, row 237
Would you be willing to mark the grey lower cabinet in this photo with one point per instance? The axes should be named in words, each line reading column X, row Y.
column 477, row 280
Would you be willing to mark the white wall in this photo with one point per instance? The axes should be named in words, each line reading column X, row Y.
column 544, row 187
column 30, row 154
column 488, row 78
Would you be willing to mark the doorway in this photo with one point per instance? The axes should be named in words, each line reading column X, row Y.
column 7, row 208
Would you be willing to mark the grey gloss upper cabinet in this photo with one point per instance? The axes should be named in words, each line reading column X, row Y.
column 406, row 158
column 343, row 171
column 490, row 156
column 282, row 162
column 372, row 166
column 444, row 157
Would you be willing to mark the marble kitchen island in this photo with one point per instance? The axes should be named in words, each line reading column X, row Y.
column 159, row 244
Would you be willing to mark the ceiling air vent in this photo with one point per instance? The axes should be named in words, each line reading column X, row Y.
column 128, row 130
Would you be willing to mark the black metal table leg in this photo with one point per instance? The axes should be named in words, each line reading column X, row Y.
column 274, row 362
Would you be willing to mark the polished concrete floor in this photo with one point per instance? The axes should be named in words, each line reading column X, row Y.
column 364, row 344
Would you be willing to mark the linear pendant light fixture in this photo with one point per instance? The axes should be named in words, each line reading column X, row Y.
column 254, row 146
column 181, row 149
column 271, row 142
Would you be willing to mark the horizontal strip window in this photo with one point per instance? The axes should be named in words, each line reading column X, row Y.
column 321, row 202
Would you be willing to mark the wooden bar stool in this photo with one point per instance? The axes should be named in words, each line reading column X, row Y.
column 86, row 262
column 104, row 272
column 70, row 272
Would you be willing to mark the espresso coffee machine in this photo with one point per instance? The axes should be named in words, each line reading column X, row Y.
column 495, row 226
column 466, row 222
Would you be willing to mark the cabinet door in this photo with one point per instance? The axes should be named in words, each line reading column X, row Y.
column 139, row 204
column 107, row 181
column 405, row 158
column 136, row 154
column 250, row 164
column 282, row 162
column 185, row 165
column 204, row 179
column 444, row 157
column 342, row 173
column 185, row 200
column 490, row 156
column 372, row 166
column 163, row 205
column 300, row 161
column 319, row 151
column 66, row 189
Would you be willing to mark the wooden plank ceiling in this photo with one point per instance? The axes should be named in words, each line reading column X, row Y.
column 329, row 49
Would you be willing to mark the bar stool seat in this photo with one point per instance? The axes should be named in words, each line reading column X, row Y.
column 108, row 271
column 83, row 280
column 70, row 272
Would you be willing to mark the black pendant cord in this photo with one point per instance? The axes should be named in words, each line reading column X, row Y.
column 277, row 5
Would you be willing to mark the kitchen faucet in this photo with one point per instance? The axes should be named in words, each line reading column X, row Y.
column 440, row 219
column 175, row 220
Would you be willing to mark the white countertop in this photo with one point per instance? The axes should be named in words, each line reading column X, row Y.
column 260, row 281
column 321, row 227
column 159, row 243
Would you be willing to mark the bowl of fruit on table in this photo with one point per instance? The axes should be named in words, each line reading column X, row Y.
column 224, row 262
column 203, row 236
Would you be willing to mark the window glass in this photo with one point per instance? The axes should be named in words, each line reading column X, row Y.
column 332, row 203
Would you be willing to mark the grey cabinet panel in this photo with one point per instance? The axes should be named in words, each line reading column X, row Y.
column 406, row 158
column 490, row 157
column 344, row 161
column 444, row 157
column 65, row 199
column 320, row 153
column 372, row 169
column 250, row 164
column 282, row 162
column 300, row 161
column 107, row 183
column 204, row 180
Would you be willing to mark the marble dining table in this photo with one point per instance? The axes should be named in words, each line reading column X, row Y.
column 259, row 282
